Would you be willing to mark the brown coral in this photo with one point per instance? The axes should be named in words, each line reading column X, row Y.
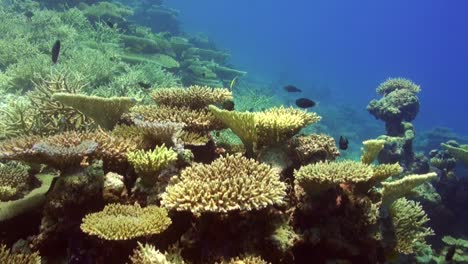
column 313, row 148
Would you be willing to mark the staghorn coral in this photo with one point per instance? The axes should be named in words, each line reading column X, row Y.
column 106, row 112
column 7, row 257
column 272, row 126
column 408, row 219
column 200, row 121
column 194, row 97
column 228, row 183
column 371, row 149
column 394, row 190
column 17, row 118
column 313, row 148
column 459, row 152
column 148, row 164
column 14, row 180
column 124, row 222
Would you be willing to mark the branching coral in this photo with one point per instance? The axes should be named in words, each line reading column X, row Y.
column 124, row 222
column 394, row 190
column 158, row 133
column 148, row 254
column 8, row 257
column 228, row 183
column 408, row 219
column 14, row 180
column 194, row 97
column 200, row 121
column 371, row 149
column 17, row 118
column 148, row 164
column 272, row 126
column 313, row 148
column 393, row 84
column 104, row 111
column 247, row 259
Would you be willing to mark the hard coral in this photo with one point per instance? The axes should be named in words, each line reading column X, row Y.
column 371, row 149
column 408, row 219
column 148, row 164
column 7, row 257
column 14, row 180
column 394, row 190
column 227, row 184
column 148, row 254
column 313, row 148
column 124, row 222
column 393, row 84
column 194, row 97
column 460, row 152
column 106, row 112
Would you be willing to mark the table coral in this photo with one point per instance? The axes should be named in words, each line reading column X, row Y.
column 124, row 222
column 313, row 148
column 460, row 152
column 194, row 97
column 228, row 183
column 106, row 112
column 371, row 149
column 394, row 190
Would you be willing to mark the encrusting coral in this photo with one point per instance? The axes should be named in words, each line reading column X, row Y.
column 194, row 97
column 106, row 112
column 124, row 222
column 275, row 125
column 7, row 257
column 228, row 183
column 371, row 149
column 408, row 218
column 148, row 164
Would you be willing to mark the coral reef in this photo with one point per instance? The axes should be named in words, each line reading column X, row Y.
column 194, row 97
column 228, row 183
column 371, row 149
column 123, row 222
column 394, row 190
column 459, row 152
column 6, row 256
column 313, row 148
column 106, row 112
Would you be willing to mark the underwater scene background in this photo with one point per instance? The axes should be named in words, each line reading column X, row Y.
column 233, row 131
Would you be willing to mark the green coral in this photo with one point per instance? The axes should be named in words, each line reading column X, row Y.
column 461, row 249
column 408, row 219
column 460, row 152
column 371, row 149
column 104, row 111
column 162, row 60
column 124, row 222
column 393, row 84
column 107, row 11
column 7, row 257
column 148, row 164
column 394, row 190
column 228, row 183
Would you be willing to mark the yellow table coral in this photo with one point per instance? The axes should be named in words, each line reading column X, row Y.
column 124, row 222
column 228, row 183
column 194, row 97
column 272, row 126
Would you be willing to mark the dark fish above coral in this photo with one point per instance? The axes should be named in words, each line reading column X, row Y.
column 144, row 85
column 28, row 15
column 305, row 103
column 450, row 253
column 56, row 51
column 292, row 89
column 228, row 105
column 343, row 143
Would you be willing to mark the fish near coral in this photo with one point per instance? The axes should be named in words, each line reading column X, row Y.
column 292, row 89
column 343, row 143
column 56, row 51
column 305, row 103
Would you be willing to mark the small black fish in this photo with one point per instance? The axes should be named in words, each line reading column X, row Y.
column 144, row 85
column 28, row 15
column 251, row 109
column 343, row 143
column 450, row 253
column 110, row 24
column 305, row 103
column 228, row 105
column 292, row 89
column 55, row 51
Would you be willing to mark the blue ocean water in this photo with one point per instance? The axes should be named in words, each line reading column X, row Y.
column 347, row 47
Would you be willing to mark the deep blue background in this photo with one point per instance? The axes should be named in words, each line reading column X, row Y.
column 351, row 46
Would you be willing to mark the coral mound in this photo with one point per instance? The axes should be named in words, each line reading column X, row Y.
column 313, row 148
column 228, row 183
column 124, row 222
